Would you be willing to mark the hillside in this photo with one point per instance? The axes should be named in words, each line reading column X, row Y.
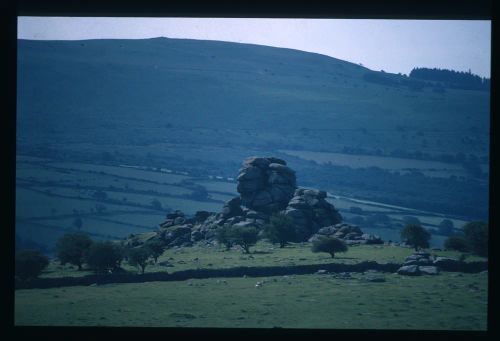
column 202, row 106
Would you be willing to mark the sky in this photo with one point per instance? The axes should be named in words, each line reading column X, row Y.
column 395, row 46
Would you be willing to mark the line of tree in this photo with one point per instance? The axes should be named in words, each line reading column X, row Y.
column 454, row 79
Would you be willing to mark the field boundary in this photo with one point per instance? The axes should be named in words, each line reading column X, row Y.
column 100, row 279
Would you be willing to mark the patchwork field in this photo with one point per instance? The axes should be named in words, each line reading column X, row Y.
column 51, row 195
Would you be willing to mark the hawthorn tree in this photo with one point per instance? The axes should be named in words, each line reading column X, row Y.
column 416, row 236
column 244, row 236
column 139, row 256
column 328, row 244
column 104, row 256
column 156, row 247
column 72, row 247
column 280, row 229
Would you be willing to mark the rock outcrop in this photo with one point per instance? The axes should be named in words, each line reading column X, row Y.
column 266, row 184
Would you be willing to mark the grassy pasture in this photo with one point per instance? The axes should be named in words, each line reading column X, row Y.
column 445, row 302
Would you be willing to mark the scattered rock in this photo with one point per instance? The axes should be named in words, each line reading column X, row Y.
column 429, row 270
column 409, row 270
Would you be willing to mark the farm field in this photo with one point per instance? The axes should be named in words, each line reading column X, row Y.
column 446, row 302
column 402, row 165
column 51, row 195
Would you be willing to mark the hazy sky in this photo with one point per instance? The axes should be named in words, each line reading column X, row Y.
column 389, row 45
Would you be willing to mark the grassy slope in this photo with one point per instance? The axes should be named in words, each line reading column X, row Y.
column 445, row 302
column 231, row 87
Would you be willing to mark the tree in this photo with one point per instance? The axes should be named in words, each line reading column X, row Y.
column 30, row 263
column 280, row 229
column 476, row 234
column 139, row 257
column 457, row 243
column 244, row 237
column 104, row 256
column 445, row 227
column 78, row 222
column 329, row 245
column 156, row 246
column 72, row 248
column 223, row 236
column 416, row 236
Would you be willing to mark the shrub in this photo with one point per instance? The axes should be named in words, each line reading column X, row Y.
column 329, row 245
column 30, row 263
column 244, row 237
column 280, row 229
column 416, row 236
column 72, row 247
column 139, row 257
column 104, row 256
column 445, row 227
column 457, row 243
column 156, row 246
column 476, row 234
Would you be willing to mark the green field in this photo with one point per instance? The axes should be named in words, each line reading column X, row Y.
column 429, row 168
column 446, row 302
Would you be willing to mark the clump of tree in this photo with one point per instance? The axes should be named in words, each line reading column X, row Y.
column 100, row 195
column 156, row 204
column 78, row 222
column 415, row 236
column 29, row 264
column 139, row 257
column 280, row 229
column 329, row 245
column 104, row 257
column 72, row 248
column 454, row 79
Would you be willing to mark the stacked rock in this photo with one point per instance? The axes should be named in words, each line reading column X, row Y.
column 310, row 211
column 419, row 263
column 350, row 234
column 266, row 184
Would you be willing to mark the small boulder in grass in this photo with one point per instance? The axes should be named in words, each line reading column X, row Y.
column 429, row 270
column 409, row 270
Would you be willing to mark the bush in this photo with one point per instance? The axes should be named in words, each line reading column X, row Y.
column 445, row 227
column 416, row 236
column 457, row 243
column 280, row 229
column 139, row 257
column 244, row 237
column 72, row 247
column 105, row 256
column 329, row 245
column 476, row 234
column 156, row 204
column 30, row 263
